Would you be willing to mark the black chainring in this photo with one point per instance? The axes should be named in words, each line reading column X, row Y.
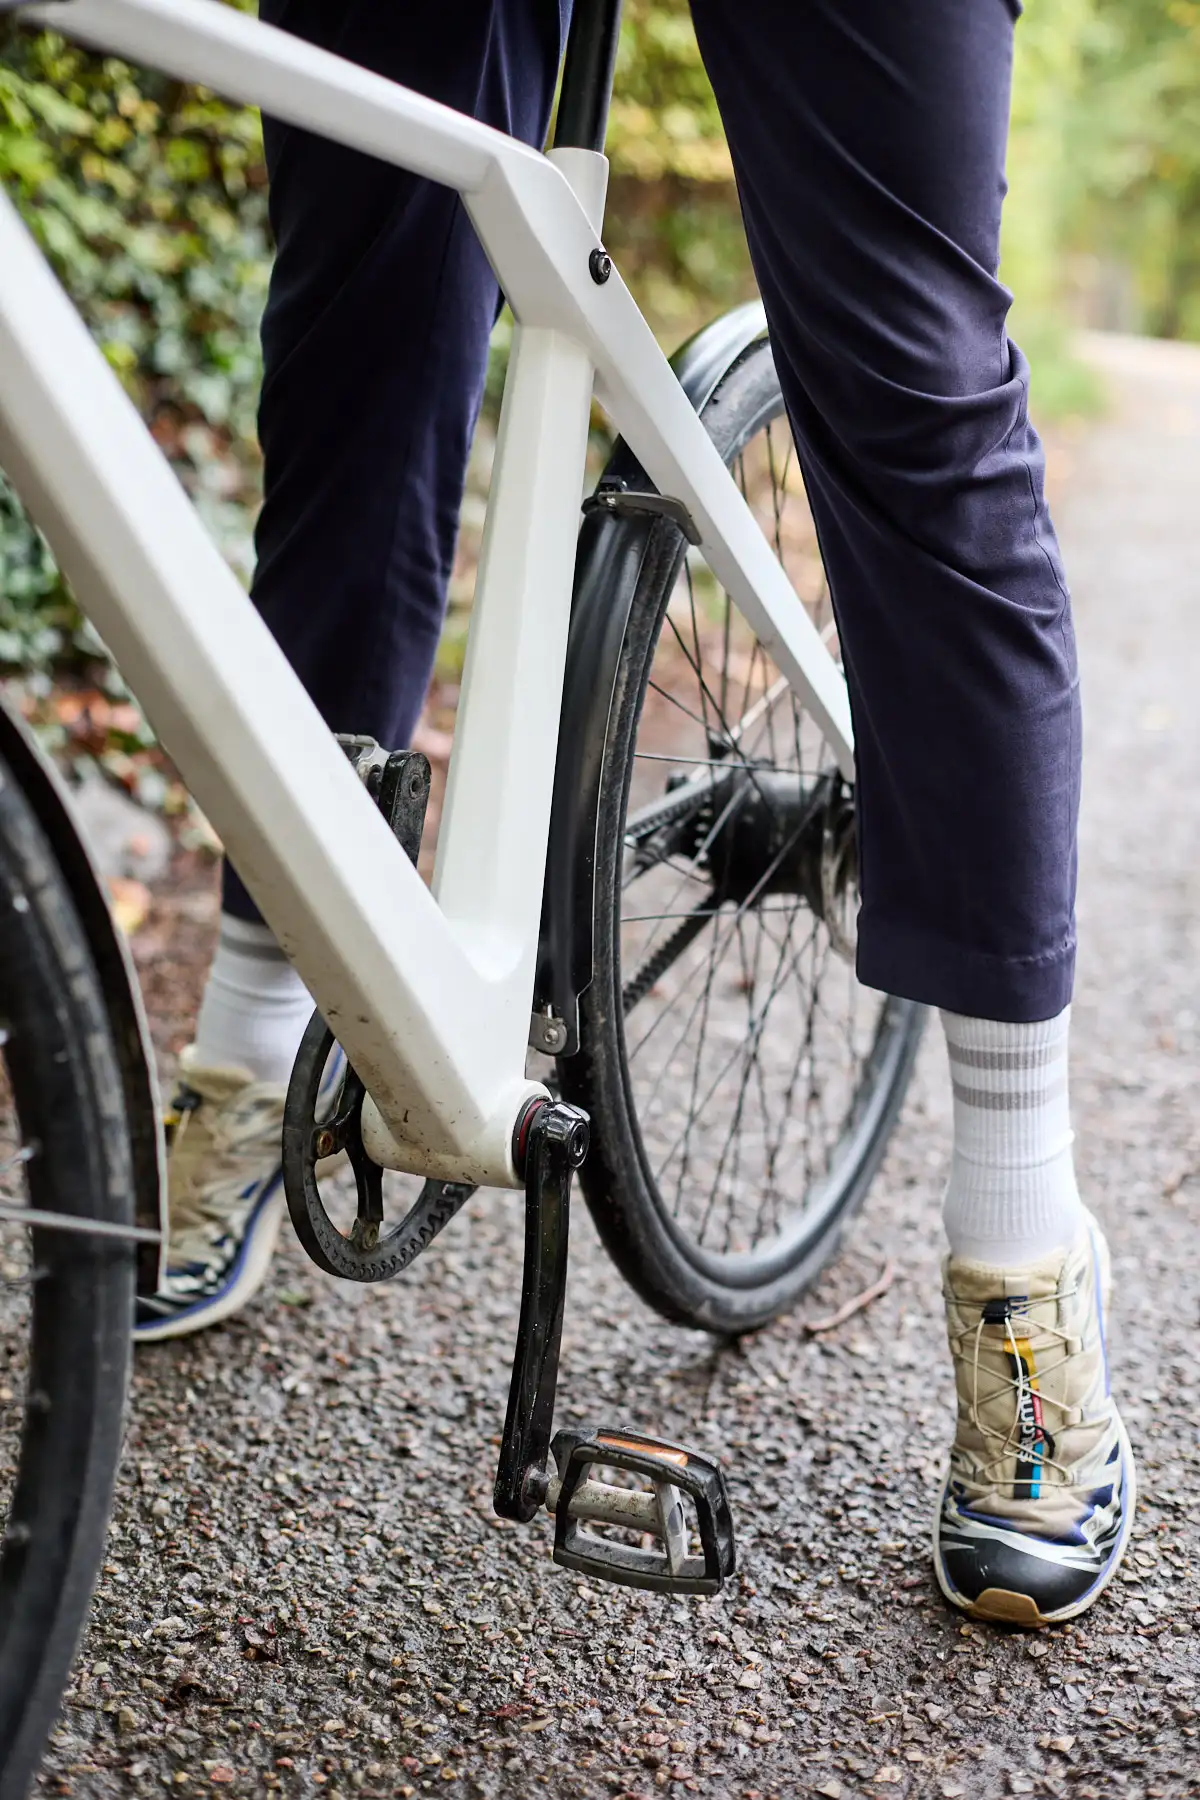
column 368, row 1252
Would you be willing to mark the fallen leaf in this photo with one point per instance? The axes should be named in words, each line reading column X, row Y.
column 289, row 1296
column 187, row 1683
column 130, row 903
column 123, row 718
column 259, row 1647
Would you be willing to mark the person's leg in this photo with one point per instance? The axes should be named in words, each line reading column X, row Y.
column 869, row 146
column 1012, row 1195
column 375, row 350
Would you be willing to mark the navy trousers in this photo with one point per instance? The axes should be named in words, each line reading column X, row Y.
column 868, row 138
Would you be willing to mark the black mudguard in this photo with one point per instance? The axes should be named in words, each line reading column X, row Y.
column 48, row 796
column 612, row 547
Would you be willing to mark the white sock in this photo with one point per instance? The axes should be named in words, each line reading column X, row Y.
column 1012, row 1197
column 255, row 1006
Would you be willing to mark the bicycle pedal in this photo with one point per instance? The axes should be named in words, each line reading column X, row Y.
column 681, row 1500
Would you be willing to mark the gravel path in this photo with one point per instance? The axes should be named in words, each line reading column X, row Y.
column 307, row 1591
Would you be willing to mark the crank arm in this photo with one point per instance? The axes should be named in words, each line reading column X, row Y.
column 681, row 1498
column 552, row 1141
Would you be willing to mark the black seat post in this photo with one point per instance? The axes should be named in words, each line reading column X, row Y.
column 587, row 81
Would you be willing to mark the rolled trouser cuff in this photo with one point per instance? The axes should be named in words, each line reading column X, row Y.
column 918, row 965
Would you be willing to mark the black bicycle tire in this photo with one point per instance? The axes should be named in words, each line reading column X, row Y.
column 684, row 1284
column 66, row 1084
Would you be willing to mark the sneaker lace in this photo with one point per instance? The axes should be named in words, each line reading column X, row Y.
column 969, row 1347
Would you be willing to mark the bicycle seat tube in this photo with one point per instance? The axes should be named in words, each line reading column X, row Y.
column 587, row 80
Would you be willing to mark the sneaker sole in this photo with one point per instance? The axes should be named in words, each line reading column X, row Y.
column 249, row 1278
column 1001, row 1606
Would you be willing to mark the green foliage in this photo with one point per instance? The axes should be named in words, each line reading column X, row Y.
column 1136, row 149
column 673, row 220
column 1104, row 216
column 149, row 198
column 664, row 119
column 37, row 618
column 1049, row 86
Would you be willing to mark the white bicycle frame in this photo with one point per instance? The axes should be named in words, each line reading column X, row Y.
column 429, row 992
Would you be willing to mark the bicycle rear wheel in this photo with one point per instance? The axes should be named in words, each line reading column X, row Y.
column 66, row 1284
column 741, row 1084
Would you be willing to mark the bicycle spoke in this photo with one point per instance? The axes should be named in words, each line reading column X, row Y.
column 752, row 1037
column 54, row 1221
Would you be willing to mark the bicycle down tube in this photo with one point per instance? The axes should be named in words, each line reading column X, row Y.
column 428, row 993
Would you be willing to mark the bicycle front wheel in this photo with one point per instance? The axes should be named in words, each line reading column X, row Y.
column 66, row 1282
column 742, row 1085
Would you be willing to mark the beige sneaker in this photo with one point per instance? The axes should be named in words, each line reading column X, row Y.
column 225, row 1196
column 1037, row 1507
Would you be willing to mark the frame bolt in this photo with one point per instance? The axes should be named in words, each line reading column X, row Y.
column 325, row 1144
column 600, row 266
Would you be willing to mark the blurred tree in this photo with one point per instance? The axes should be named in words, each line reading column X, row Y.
column 674, row 223
column 1046, row 183
column 1042, row 181
column 1135, row 143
